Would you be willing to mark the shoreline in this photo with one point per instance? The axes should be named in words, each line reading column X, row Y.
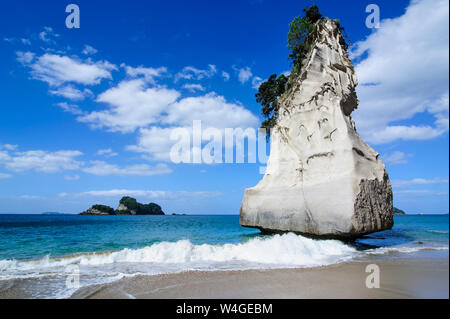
column 399, row 278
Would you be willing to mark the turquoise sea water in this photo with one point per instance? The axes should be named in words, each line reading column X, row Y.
column 107, row 248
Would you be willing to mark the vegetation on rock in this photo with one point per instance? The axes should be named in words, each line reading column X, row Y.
column 139, row 209
column 300, row 37
column 127, row 206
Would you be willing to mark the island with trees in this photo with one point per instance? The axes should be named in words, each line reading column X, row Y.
column 127, row 206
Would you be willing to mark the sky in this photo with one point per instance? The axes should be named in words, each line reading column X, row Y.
column 87, row 112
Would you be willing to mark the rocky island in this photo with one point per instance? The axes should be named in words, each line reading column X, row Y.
column 321, row 179
column 127, row 206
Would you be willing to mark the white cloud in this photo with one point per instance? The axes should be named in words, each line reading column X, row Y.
column 88, row 50
column 418, row 181
column 396, row 157
column 22, row 40
column 71, row 93
column 148, row 73
column 5, row 176
column 30, row 197
column 25, row 57
column 193, row 87
column 70, row 108
column 9, row 147
column 256, row 82
column 191, row 73
column 146, row 193
column 405, row 74
column 420, row 192
column 107, row 152
column 244, row 74
column 225, row 75
column 212, row 109
column 41, row 161
column 71, row 177
column 154, row 141
column 103, row 169
column 131, row 105
column 52, row 162
column 57, row 70
column 48, row 35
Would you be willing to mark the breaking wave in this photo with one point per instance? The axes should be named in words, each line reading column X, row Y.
column 278, row 251
column 286, row 250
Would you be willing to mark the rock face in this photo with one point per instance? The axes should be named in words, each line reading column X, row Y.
column 99, row 210
column 129, row 205
column 322, row 179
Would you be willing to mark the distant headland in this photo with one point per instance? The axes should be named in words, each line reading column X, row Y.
column 127, row 206
column 398, row 211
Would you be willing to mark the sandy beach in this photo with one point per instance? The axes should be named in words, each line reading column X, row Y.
column 400, row 278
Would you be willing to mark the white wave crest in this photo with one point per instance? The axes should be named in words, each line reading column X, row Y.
column 286, row 250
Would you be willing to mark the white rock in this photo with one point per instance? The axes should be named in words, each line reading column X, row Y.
column 322, row 179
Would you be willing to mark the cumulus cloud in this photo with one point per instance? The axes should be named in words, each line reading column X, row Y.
column 9, row 147
column 48, row 35
column 107, row 152
column 25, row 57
column 131, row 105
column 256, row 82
column 41, row 161
column 70, row 108
column 244, row 74
column 155, row 142
column 149, row 74
column 212, row 109
column 88, row 50
column 192, row 73
column 57, row 69
column 404, row 74
column 53, row 162
column 193, row 87
column 71, row 93
column 104, row 169
column 225, row 75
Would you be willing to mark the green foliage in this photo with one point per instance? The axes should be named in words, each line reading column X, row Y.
column 103, row 209
column 268, row 94
column 140, row 209
column 129, row 202
column 299, row 43
column 299, row 36
column 312, row 14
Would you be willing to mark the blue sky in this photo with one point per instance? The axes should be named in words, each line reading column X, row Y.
column 85, row 112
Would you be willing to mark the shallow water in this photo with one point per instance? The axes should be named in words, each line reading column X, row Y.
column 106, row 248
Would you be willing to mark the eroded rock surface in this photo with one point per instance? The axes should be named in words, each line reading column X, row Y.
column 322, row 179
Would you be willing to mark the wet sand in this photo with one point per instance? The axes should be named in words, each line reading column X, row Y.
column 399, row 278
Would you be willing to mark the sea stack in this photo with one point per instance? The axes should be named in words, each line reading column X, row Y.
column 321, row 179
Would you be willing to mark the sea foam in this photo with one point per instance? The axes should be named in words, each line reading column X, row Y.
column 286, row 250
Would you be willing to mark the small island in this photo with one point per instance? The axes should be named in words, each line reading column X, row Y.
column 127, row 206
column 398, row 211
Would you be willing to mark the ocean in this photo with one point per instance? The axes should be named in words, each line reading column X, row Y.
column 39, row 252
